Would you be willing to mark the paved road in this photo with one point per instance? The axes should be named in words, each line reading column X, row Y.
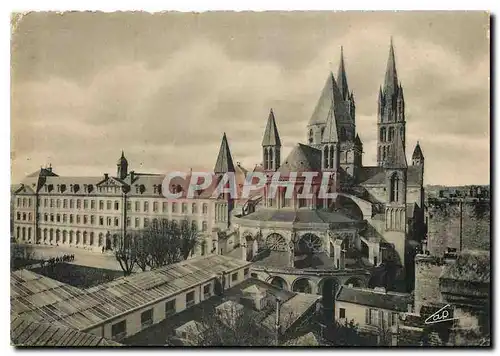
column 82, row 257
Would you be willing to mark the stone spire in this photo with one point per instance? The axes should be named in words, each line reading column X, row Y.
column 342, row 77
column 271, row 136
column 391, row 76
column 224, row 162
column 417, row 156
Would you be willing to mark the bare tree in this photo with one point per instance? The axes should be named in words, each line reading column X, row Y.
column 126, row 253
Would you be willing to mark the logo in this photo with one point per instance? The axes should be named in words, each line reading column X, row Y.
column 442, row 315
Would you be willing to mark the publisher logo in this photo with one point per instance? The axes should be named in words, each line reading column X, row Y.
column 442, row 315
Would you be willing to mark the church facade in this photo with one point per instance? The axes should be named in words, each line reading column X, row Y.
column 375, row 218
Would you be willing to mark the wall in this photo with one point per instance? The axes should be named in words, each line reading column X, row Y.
column 427, row 272
column 444, row 226
column 356, row 312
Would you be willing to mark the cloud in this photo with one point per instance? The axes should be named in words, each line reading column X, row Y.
column 166, row 96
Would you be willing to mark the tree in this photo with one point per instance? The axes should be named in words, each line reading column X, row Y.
column 126, row 253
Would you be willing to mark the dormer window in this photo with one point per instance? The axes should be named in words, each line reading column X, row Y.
column 137, row 189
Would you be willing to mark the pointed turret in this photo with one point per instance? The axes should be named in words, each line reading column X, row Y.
column 330, row 135
column 271, row 136
column 271, row 145
column 417, row 157
column 357, row 141
column 224, row 162
column 342, row 77
column 122, row 167
column 391, row 75
column 396, row 157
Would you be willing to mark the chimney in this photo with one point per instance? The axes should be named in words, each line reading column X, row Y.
column 132, row 176
column 106, row 176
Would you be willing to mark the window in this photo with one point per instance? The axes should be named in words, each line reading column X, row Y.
column 190, row 299
column 64, row 217
column 51, row 217
column 342, row 313
column 92, row 204
column 164, row 206
column 77, row 219
column 101, row 221
column 85, row 204
column 204, row 226
column 137, row 206
column 19, row 202
column 206, row 291
column 65, row 203
column 19, row 216
column 108, row 221
column 205, row 209
column 234, row 277
column 58, row 218
column 392, row 319
column 136, row 222
column 101, row 204
column 372, row 317
column 174, row 207
column 245, row 272
column 129, row 206
column 71, row 218
column 58, row 203
column 254, row 275
column 146, row 206
column 117, row 222
column 51, row 203
column 170, row 308
column 147, row 318
column 184, row 208
column 146, row 222
column 117, row 205
column 119, row 330
column 108, row 205
column 194, row 210
column 92, row 219
column 85, row 219
column 78, row 204
column 45, row 202
column 155, row 207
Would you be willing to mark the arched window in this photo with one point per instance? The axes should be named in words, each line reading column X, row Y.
column 325, row 156
column 322, row 132
column 394, row 188
column 343, row 133
column 382, row 134
column 330, row 157
column 271, row 158
column 266, row 158
column 391, row 134
column 310, row 136
column 205, row 209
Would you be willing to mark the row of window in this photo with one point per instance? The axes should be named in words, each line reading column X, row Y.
column 119, row 330
column 115, row 205
column 23, row 216
column 108, row 221
column 24, row 202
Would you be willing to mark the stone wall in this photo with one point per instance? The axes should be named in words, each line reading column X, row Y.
column 444, row 226
column 427, row 272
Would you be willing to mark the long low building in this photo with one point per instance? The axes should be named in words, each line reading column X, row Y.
column 127, row 305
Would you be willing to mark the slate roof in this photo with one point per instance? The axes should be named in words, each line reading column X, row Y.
column 271, row 136
column 298, row 216
column 303, row 158
column 330, row 104
column 375, row 175
column 370, row 298
column 34, row 334
column 82, row 309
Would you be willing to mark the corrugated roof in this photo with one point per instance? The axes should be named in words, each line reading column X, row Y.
column 371, row 298
column 82, row 309
column 30, row 333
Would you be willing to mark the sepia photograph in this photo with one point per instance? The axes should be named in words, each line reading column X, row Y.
column 282, row 179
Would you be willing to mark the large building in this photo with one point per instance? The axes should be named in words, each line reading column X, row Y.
column 301, row 244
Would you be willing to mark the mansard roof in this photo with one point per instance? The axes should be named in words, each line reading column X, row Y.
column 271, row 136
column 303, row 158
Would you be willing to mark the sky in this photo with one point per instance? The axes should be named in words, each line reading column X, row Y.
column 165, row 87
